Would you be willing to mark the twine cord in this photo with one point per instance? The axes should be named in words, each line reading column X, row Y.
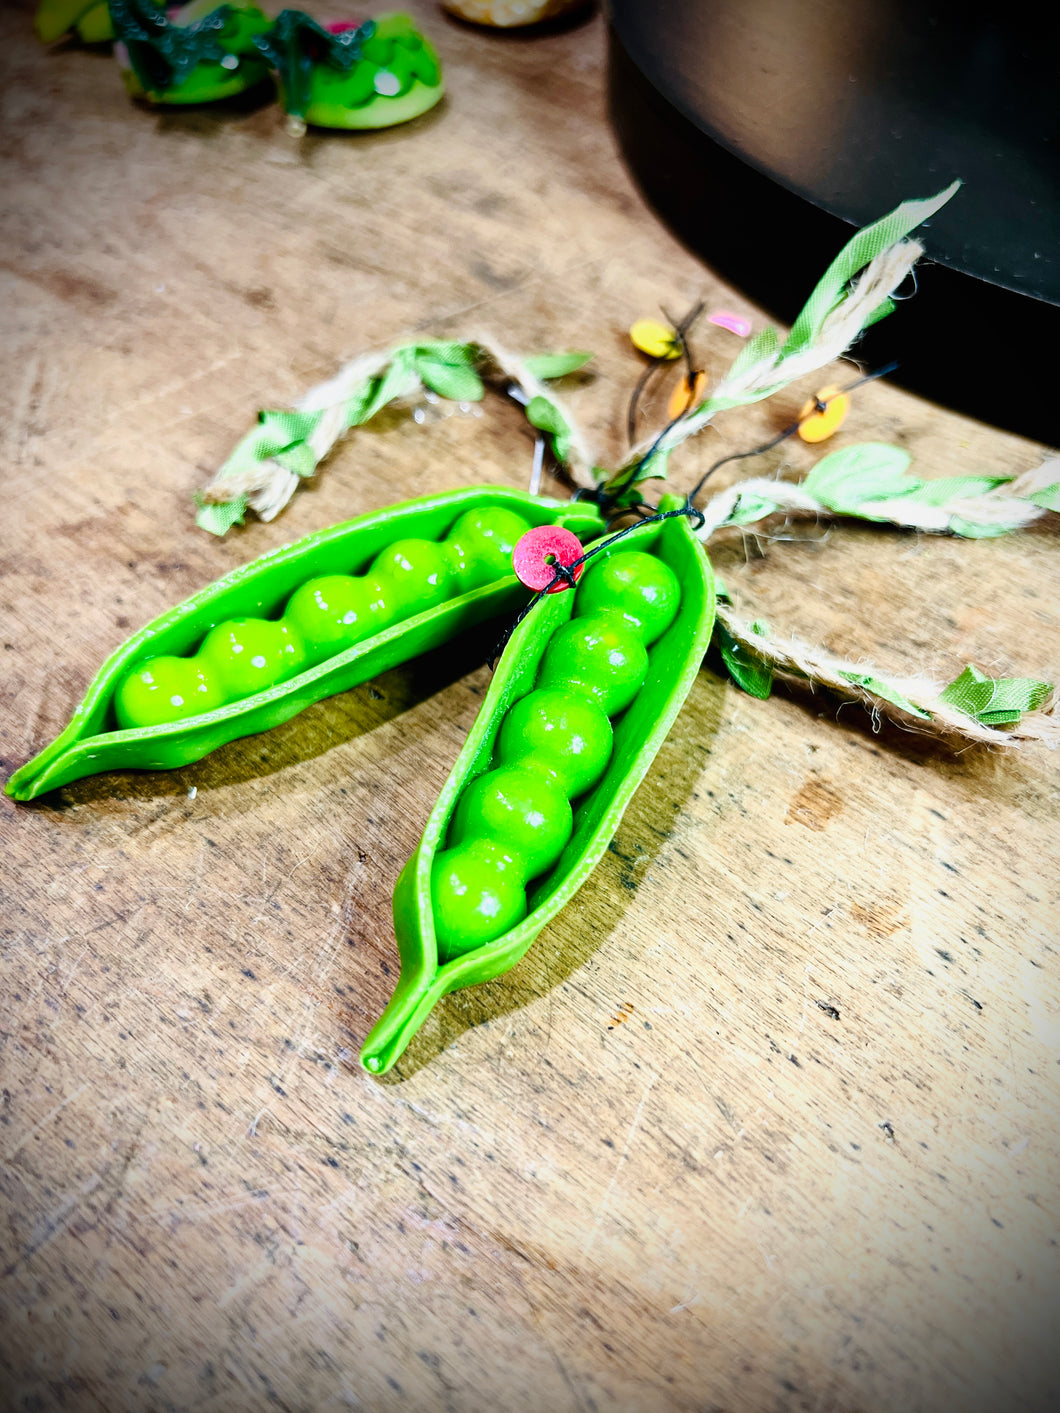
column 265, row 484
column 794, row 658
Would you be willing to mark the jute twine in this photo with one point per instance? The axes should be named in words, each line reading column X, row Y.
column 793, row 658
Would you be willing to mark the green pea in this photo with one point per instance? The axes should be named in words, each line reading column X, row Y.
column 334, row 612
column 419, row 574
column 640, row 587
column 480, row 545
column 249, row 654
column 597, row 655
column 166, row 689
column 478, row 894
column 564, row 735
column 521, row 809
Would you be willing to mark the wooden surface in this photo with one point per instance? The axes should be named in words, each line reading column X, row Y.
column 767, row 1118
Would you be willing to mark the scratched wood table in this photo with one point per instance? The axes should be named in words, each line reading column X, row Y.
column 767, row 1118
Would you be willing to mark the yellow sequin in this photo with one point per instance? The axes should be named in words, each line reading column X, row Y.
column 655, row 339
column 817, row 426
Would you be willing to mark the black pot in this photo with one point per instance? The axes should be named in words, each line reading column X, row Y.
column 766, row 131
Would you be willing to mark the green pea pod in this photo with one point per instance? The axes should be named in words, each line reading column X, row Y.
column 639, row 731
column 93, row 742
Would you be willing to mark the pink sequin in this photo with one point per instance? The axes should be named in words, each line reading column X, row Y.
column 536, row 555
column 733, row 322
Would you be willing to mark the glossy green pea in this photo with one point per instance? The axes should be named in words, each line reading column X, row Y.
column 335, row 612
column 418, row 574
column 642, row 589
column 521, row 724
column 525, row 811
column 599, row 656
column 563, row 734
column 248, row 655
column 478, row 894
column 481, row 544
column 124, row 721
column 166, row 689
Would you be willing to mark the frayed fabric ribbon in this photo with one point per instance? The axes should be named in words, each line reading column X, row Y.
column 855, row 291
column 868, row 482
column 285, row 447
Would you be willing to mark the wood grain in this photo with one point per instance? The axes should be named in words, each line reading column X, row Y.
column 767, row 1119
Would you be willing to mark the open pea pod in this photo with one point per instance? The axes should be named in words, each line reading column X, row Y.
column 94, row 741
column 638, row 732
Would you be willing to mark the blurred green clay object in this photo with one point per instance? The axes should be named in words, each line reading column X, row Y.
column 317, row 617
column 343, row 76
column 199, row 53
column 584, row 695
column 340, row 75
column 96, row 26
column 89, row 18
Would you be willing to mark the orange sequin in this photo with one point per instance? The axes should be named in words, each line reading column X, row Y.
column 683, row 397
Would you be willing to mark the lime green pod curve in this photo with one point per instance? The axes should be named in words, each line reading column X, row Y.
column 92, row 742
column 639, row 731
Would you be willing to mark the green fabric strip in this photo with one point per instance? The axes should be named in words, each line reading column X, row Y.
column 275, row 432
column 995, row 700
column 855, row 255
column 1049, row 499
column 555, row 365
column 886, row 691
column 219, row 519
column 751, row 507
column 375, row 393
column 947, row 488
column 461, row 384
column 449, row 351
column 765, row 344
column 867, row 471
column 546, row 417
column 752, row 673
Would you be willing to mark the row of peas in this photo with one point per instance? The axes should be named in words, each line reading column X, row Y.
column 323, row 617
column 512, row 823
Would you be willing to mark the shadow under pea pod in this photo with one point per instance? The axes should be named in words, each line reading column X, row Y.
column 297, row 625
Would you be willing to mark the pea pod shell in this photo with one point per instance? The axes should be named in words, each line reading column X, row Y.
column 89, row 745
column 673, row 663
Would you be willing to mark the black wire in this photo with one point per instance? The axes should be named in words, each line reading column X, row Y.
column 681, row 330
column 565, row 572
column 638, row 388
column 788, row 431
